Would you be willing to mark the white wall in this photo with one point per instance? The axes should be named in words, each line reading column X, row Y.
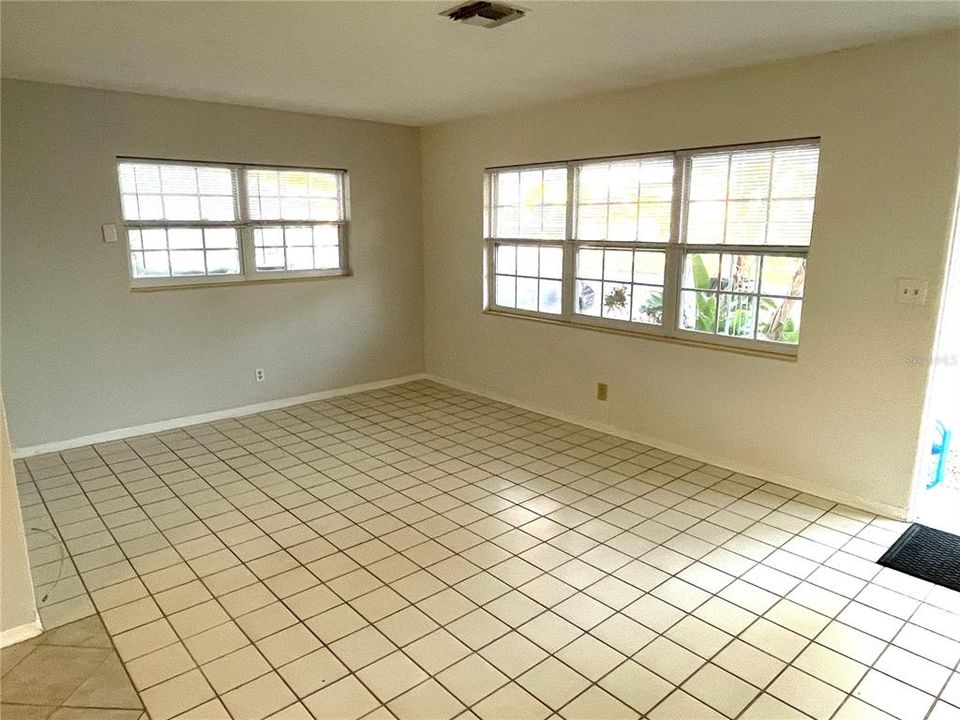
column 842, row 420
column 83, row 354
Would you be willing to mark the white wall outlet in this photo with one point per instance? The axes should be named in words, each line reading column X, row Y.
column 109, row 233
column 259, row 374
column 912, row 291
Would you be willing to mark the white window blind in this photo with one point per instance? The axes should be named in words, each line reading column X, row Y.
column 191, row 223
column 698, row 244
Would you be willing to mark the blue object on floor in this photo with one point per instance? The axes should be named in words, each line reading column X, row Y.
column 941, row 451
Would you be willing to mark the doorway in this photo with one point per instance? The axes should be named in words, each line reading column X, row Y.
column 936, row 492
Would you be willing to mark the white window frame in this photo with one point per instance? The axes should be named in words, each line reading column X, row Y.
column 675, row 251
column 244, row 225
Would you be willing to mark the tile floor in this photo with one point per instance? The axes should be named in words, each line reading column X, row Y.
column 419, row 552
column 69, row 673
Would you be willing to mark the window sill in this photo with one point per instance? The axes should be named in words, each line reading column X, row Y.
column 789, row 356
column 235, row 283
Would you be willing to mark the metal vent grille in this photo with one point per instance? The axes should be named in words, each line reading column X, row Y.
column 483, row 14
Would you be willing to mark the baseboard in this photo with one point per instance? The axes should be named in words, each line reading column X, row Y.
column 20, row 633
column 185, row 421
column 794, row 483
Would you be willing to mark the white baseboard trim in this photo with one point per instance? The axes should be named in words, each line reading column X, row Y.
column 20, row 633
column 185, row 421
column 794, row 483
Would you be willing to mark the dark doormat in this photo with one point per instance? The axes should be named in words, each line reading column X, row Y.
column 927, row 554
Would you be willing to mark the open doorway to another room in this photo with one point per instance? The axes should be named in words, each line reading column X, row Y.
column 936, row 494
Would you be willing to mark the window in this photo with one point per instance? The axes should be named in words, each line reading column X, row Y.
column 708, row 245
column 528, row 207
column 204, row 223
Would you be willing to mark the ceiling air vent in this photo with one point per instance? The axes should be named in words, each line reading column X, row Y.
column 483, row 14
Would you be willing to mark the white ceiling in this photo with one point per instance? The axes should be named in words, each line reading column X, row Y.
column 402, row 62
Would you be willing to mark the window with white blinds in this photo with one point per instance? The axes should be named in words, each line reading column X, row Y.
column 198, row 223
column 708, row 244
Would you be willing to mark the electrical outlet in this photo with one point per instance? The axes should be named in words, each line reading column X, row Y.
column 601, row 391
column 259, row 374
column 912, row 291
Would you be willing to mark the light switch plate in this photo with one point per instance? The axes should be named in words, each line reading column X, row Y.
column 109, row 233
column 912, row 291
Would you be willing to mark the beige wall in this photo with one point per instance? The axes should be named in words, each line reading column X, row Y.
column 17, row 606
column 844, row 419
column 82, row 354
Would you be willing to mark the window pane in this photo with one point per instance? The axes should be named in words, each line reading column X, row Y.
column 790, row 222
column 698, row 311
column 215, row 181
column 736, row 315
column 154, row 238
column 551, row 262
column 588, row 297
column 750, row 174
column 506, row 291
column 783, row 275
column 270, row 258
column 625, row 200
column 178, row 179
column 653, row 223
column 550, row 291
column 701, row 271
column 590, row 264
column 327, row 257
column 150, row 207
column 622, row 222
column 326, row 235
column 187, row 262
column 648, row 267
column 300, row 258
column 760, row 196
column 185, row 238
column 155, row 264
column 779, row 320
column 647, row 305
column 746, row 222
column 592, row 222
column 705, row 222
column 795, row 172
column 616, row 301
column 528, row 260
column 506, row 261
column 275, row 194
column 220, row 237
column 166, row 191
column 530, row 203
column 528, row 294
column 618, row 265
column 223, row 262
column 708, row 177
column 216, row 207
column 738, row 273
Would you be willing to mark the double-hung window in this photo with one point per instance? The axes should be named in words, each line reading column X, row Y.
column 707, row 245
column 203, row 223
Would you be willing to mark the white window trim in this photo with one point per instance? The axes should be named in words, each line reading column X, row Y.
column 674, row 251
column 245, row 226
